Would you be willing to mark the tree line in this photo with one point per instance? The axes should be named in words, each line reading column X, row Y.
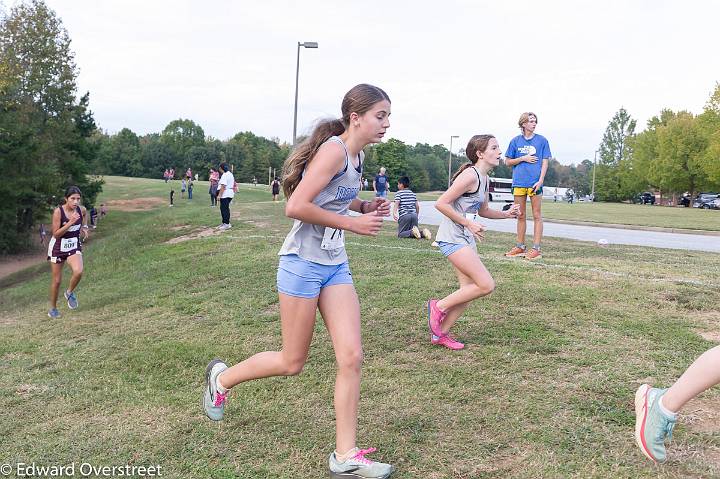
column 49, row 140
column 44, row 126
column 182, row 144
column 677, row 153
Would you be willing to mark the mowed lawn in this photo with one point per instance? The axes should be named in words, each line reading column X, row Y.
column 619, row 213
column 544, row 389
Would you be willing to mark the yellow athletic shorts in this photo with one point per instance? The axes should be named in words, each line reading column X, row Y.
column 522, row 191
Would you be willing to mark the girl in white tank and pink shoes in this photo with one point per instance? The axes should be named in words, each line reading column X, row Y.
column 456, row 237
column 321, row 181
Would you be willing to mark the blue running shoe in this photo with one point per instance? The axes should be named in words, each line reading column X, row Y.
column 54, row 313
column 213, row 401
column 72, row 300
column 652, row 426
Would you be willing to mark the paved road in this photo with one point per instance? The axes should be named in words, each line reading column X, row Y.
column 429, row 215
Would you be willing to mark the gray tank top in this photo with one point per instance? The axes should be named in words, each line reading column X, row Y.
column 321, row 244
column 451, row 232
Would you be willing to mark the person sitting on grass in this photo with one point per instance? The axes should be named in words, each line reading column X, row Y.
column 406, row 212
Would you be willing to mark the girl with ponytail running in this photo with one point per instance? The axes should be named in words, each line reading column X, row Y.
column 321, row 181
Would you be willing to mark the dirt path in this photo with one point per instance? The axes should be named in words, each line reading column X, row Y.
column 15, row 263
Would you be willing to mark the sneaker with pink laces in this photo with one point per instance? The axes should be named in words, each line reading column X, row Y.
column 447, row 341
column 435, row 317
column 214, row 400
column 359, row 466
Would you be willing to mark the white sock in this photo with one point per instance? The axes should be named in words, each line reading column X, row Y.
column 218, row 386
column 667, row 412
column 346, row 456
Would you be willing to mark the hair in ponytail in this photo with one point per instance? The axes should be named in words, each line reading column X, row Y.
column 358, row 100
column 477, row 143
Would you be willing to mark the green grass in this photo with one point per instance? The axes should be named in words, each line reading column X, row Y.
column 618, row 213
column 634, row 215
column 544, row 389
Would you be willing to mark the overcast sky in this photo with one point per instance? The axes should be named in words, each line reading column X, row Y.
column 452, row 67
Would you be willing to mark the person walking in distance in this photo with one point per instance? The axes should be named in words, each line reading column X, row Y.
column 275, row 185
column 380, row 184
column 226, row 193
column 214, row 179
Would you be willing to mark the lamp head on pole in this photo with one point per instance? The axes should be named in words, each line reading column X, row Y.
column 309, row 44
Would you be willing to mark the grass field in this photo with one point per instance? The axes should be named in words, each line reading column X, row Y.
column 622, row 213
column 544, row 389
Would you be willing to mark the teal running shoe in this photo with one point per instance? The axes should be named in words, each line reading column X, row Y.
column 72, row 300
column 652, row 426
column 54, row 313
column 213, row 401
column 359, row 466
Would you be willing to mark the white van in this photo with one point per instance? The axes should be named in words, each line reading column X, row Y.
column 500, row 189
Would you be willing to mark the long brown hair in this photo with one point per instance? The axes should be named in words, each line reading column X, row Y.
column 359, row 99
column 476, row 143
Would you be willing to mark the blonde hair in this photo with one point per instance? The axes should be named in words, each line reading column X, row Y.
column 359, row 99
column 524, row 118
column 477, row 143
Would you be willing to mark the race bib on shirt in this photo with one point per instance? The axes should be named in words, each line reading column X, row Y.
column 68, row 244
column 333, row 239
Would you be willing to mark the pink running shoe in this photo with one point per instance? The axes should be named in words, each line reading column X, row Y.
column 435, row 317
column 447, row 341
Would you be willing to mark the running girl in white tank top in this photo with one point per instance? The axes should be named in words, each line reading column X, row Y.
column 456, row 237
column 321, row 180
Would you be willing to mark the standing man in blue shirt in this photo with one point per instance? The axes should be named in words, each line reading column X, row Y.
column 528, row 154
column 380, row 185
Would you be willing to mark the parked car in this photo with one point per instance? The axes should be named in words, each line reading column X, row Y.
column 645, row 198
column 706, row 201
column 685, row 200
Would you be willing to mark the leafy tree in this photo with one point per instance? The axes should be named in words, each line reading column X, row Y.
column 201, row 158
column 125, row 154
column 44, row 128
column 393, row 156
column 709, row 123
column 615, row 154
column 180, row 135
column 681, row 146
column 155, row 156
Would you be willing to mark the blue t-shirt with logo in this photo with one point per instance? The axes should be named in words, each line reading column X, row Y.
column 527, row 174
column 380, row 183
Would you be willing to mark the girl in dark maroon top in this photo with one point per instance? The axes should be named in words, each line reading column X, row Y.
column 68, row 228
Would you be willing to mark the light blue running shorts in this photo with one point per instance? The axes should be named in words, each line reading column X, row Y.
column 302, row 278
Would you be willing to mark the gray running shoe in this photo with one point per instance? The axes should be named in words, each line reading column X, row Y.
column 359, row 466
column 72, row 300
column 213, row 401
column 54, row 313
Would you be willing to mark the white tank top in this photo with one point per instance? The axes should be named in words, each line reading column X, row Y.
column 321, row 244
column 451, row 232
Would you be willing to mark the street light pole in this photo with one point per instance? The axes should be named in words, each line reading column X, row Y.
column 450, row 159
column 297, row 77
column 592, row 193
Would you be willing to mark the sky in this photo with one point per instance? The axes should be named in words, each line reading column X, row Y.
column 452, row 67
